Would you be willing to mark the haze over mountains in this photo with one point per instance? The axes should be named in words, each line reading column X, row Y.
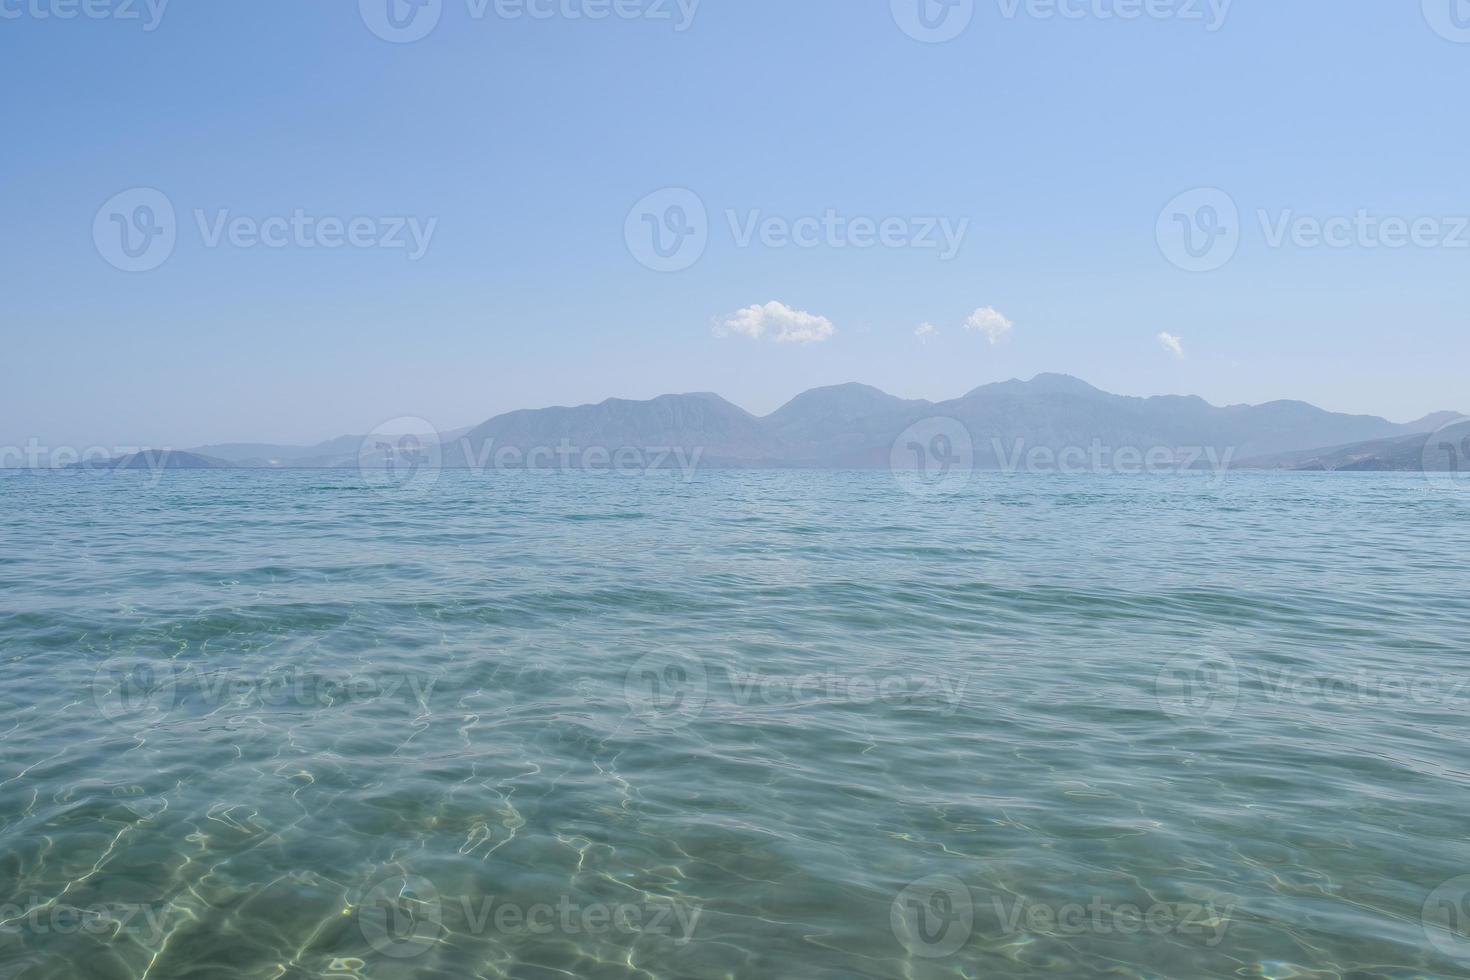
column 1446, row 449
column 854, row 425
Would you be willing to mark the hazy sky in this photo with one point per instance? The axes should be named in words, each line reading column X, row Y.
column 1024, row 169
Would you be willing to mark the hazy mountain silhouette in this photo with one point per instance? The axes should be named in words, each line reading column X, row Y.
column 157, row 459
column 259, row 454
column 856, row 425
column 341, row 451
column 1058, row 411
column 844, row 425
column 1445, row 449
column 701, row 422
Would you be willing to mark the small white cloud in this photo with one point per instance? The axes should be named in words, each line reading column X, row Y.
column 991, row 322
column 1172, row 344
column 777, row 321
column 925, row 331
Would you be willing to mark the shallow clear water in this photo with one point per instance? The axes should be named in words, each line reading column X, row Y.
column 758, row 725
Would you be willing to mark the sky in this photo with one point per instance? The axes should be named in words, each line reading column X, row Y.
column 285, row 221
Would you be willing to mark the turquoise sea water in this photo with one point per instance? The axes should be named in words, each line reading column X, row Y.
column 769, row 724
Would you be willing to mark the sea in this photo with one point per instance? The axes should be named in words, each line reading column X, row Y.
column 733, row 724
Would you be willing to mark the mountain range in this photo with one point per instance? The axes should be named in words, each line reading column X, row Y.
column 856, row 426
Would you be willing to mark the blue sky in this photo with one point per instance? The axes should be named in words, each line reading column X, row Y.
column 521, row 145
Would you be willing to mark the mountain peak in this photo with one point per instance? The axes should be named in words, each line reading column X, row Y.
column 1045, row 383
column 1433, row 421
column 844, row 401
column 1048, row 381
